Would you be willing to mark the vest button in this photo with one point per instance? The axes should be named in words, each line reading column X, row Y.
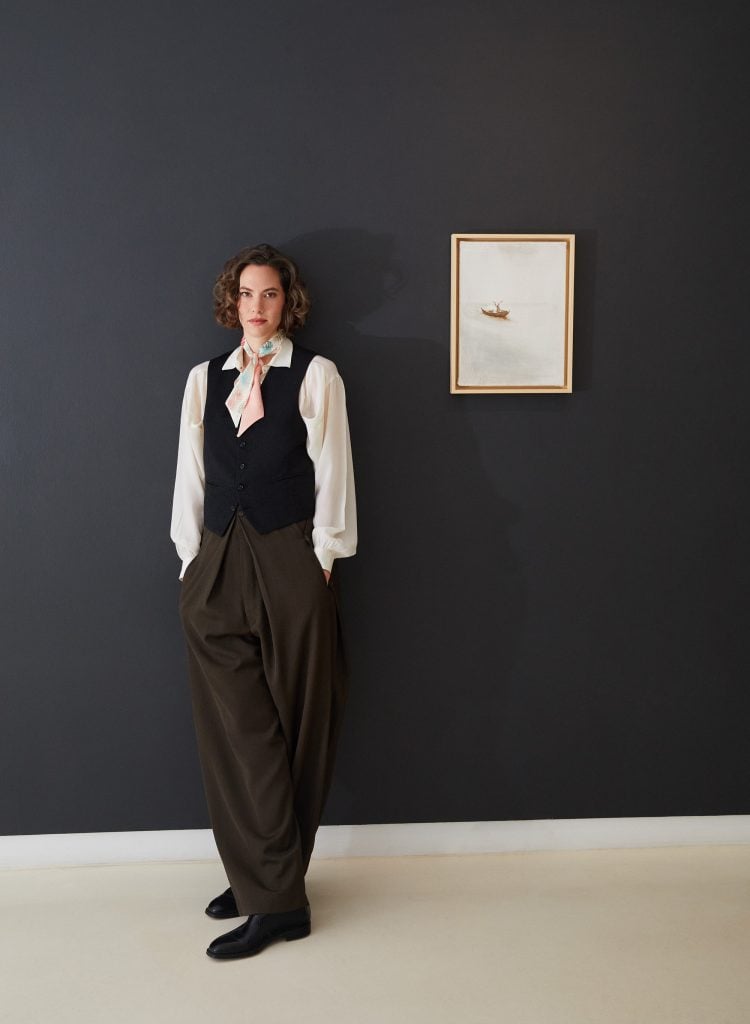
column 240, row 486
column 242, row 465
column 242, row 444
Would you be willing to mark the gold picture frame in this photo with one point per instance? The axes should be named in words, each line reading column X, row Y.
column 512, row 314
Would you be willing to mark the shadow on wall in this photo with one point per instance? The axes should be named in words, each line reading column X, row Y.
column 433, row 603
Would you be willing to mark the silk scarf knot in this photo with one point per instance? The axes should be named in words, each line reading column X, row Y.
column 245, row 403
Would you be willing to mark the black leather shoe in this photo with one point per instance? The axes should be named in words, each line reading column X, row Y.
column 223, row 906
column 259, row 931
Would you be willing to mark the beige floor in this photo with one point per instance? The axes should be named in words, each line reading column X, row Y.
column 639, row 936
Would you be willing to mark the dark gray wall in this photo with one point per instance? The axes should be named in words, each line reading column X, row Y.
column 545, row 618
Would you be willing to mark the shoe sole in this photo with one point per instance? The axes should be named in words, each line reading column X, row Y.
column 294, row 933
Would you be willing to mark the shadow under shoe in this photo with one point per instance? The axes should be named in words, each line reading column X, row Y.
column 259, row 931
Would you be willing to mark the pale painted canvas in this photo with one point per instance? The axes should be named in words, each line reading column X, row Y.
column 512, row 313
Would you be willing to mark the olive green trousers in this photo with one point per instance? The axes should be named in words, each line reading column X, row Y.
column 268, row 683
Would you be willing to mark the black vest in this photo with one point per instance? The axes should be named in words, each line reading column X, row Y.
column 266, row 471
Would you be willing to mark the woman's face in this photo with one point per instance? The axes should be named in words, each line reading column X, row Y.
column 260, row 303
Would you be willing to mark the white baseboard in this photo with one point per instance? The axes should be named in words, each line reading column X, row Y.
column 397, row 840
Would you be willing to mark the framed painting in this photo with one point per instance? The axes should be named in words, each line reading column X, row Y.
column 512, row 314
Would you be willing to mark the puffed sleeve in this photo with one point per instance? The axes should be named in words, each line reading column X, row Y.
column 322, row 403
column 189, row 487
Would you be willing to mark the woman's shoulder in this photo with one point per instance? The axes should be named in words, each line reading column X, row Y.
column 200, row 370
column 323, row 368
column 197, row 374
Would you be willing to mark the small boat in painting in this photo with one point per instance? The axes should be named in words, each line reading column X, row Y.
column 496, row 312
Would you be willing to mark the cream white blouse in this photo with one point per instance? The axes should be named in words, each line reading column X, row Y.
column 322, row 405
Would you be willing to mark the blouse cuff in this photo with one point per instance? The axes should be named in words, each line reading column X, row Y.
column 326, row 557
column 185, row 563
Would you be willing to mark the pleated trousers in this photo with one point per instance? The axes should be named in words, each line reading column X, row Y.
column 268, row 682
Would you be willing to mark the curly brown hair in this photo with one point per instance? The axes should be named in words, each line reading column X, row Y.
column 227, row 287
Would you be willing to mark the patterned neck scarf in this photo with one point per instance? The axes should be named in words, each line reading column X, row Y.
column 245, row 403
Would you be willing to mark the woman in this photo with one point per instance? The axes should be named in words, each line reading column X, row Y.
column 263, row 505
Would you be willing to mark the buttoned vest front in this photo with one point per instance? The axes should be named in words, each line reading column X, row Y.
column 266, row 471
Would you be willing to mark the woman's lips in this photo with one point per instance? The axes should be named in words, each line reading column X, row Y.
column 257, row 321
